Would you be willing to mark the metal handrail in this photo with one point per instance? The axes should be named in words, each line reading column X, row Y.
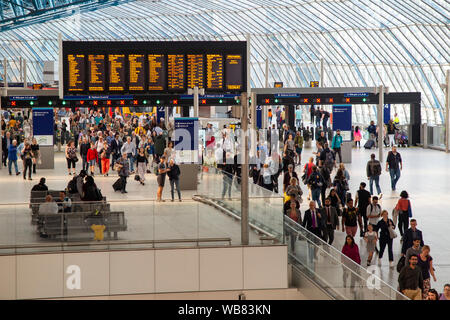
column 118, row 242
column 337, row 252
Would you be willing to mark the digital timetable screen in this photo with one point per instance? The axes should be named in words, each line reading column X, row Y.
column 157, row 72
column 96, row 72
column 233, row 65
column 116, row 72
column 195, row 70
column 214, row 71
column 146, row 67
column 76, row 74
column 175, row 72
column 136, row 72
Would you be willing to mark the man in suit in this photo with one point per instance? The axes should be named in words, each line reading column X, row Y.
column 330, row 221
column 312, row 220
column 288, row 175
column 6, row 141
column 410, row 235
column 116, row 145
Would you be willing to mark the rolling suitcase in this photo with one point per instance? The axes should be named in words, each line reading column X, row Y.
column 369, row 144
column 117, row 185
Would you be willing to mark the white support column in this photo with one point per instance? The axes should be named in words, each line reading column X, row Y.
column 60, row 68
column 5, row 72
column 447, row 108
column 196, row 102
column 24, row 73
column 321, row 73
column 380, row 122
column 265, row 120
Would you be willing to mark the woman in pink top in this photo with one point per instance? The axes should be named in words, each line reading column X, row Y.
column 308, row 170
column 357, row 137
column 351, row 250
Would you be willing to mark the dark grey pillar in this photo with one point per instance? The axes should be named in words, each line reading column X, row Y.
column 415, row 121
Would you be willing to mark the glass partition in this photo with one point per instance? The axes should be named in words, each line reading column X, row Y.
column 338, row 275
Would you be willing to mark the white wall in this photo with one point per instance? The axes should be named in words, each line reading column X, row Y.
column 142, row 271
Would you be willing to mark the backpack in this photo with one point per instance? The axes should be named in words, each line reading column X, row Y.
column 72, row 186
column 98, row 194
column 375, row 168
column 329, row 159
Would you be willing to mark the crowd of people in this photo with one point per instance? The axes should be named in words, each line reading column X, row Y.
column 97, row 142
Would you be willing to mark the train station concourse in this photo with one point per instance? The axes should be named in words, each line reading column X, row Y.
column 224, row 150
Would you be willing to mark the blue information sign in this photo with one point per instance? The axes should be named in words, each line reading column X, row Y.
column 160, row 113
column 342, row 117
column 386, row 113
column 42, row 121
column 186, row 140
column 259, row 117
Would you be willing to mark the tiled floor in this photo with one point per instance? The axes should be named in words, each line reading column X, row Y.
column 426, row 177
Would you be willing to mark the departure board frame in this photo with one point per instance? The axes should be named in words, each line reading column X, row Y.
column 165, row 48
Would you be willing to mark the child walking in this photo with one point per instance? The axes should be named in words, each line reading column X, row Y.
column 371, row 239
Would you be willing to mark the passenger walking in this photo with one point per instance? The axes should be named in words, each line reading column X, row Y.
column 357, row 137
column 336, row 143
column 373, row 170
column 298, row 143
column 371, row 239
column 395, row 164
column 362, row 200
column 403, row 208
column 315, row 183
column 129, row 149
column 106, row 154
column 330, row 221
column 410, row 235
column 162, row 170
column 391, row 129
column 123, row 171
column 351, row 218
column 350, row 250
column 84, row 148
column 410, row 280
column 36, row 152
column 92, row 158
column 312, row 220
column 12, row 157
column 341, row 185
column 71, row 157
column 173, row 172
column 141, row 162
column 295, row 215
column 385, row 227
column 28, row 156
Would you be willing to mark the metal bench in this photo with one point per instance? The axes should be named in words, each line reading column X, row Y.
column 80, row 222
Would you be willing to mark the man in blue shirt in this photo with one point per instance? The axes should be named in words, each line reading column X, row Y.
column 336, row 144
column 298, row 117
column 372, row 129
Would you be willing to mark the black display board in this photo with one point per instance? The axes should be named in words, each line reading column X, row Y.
column 147, row 67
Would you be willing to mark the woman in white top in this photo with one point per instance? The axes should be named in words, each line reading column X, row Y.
column 168, row 152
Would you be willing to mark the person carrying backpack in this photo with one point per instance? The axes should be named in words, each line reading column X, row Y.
column 373, row 170
column 327, row 158
column 315, row 182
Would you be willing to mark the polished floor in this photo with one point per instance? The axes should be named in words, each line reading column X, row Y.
column 426, row 177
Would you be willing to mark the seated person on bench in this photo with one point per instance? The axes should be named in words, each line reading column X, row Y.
column 64, row 203
column 49, row 206
column 40, row 186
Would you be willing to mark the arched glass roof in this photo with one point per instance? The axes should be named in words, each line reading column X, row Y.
column 401, row 44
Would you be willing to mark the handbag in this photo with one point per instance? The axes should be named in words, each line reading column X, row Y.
column 409, row 209
column 75, row 159
column 392, row 233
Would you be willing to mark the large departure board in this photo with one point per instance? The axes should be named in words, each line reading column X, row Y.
column 152, row 67
column 175, row 72
column 195, row 70
column 233, row 69
column 76, row 73
column 157, row 72
column 96, row 72
column 136, row 71
column 214, row 71
column 116, row 72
